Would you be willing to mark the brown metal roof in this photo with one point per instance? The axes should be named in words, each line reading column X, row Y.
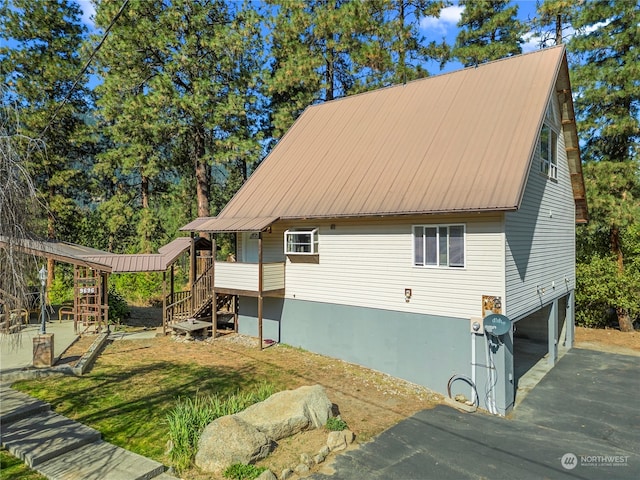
column 59, row 251
column 229, row 224
column 457, row 142
column 109, row 262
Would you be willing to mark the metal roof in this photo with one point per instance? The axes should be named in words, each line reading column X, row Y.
column 229, row 224
column 457, row 142
column 109, row 262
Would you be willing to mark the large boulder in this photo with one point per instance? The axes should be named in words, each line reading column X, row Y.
column 228, row 440
column 286, row 413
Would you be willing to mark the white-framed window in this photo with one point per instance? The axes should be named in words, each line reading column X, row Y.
column 439, row 246
column 549, row 152
column 301, row 241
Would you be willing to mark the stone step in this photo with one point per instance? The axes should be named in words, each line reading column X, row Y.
column 16, row 405
column 100, row 461
column 41, row 437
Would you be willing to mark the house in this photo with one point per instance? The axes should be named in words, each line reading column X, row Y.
column 384, row 225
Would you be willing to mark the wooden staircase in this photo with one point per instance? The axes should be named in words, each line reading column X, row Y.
column 197, row 302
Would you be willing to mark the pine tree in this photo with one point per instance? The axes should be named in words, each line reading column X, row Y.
column 606, row 84
column 179, row 92
column 310, row 43
column 393, row 49
column 552, row 20
column 39, row 67
column 489, row 30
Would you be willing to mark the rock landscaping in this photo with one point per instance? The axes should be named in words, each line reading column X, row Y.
column 252, row 434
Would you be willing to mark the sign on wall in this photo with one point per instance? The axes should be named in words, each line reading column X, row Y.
column 491, row 304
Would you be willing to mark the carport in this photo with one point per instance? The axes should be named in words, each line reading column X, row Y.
column 92, row 268
column 540, row 339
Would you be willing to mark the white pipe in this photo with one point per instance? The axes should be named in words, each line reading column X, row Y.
column 473, row 366
column 490, row 400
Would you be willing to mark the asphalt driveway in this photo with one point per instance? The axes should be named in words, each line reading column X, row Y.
column 582, row 421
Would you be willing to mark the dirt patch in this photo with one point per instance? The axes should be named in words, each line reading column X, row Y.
column 608, row 340
column 76, row 350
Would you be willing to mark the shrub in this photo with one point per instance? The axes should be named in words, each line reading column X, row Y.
column 336, row 424
column 118, row 308
column 190, row 417
column 241, row 471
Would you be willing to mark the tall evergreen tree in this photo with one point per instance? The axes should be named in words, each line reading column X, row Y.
column 39, row 67
column 606, row 84
column 179, row 91
column 394, row 50
column 310, row 46
column 489, row 30
column 552, row 20
column 323, row 50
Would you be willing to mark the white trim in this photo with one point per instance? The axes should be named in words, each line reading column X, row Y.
column 437, row 228
column 301, row 246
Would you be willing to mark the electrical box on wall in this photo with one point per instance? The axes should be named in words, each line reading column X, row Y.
column 475, row 325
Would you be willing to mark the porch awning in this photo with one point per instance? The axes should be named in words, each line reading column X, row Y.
column 229, row 224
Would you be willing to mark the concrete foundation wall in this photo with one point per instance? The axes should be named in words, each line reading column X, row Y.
column 424, row 349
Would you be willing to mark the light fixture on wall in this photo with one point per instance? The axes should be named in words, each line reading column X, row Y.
column 407, row 294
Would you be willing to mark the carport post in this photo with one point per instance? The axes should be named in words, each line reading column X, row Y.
column 553, row 333
column 570, row 320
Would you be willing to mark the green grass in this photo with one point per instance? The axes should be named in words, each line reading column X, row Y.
column 12, row 468
column 130, row 405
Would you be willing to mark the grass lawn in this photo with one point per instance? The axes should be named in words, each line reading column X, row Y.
column 12, row 468
column 128, row 404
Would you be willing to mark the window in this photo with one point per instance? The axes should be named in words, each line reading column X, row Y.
column 438, row 246
column 549, row 152
column 301, row 241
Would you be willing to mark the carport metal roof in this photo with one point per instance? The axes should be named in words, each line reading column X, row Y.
column 104, row 261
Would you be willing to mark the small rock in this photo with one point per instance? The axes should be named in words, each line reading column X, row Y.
column 324, row 451
column 302, row 468
column 266, row 475
column 340, row 440
column 318, row 459
column 336, row 441
column 286, row 473
column 306, row 459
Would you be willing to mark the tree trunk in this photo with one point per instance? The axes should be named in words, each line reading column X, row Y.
column 624, row 320
column 202, row 175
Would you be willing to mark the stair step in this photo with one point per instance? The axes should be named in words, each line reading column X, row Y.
column 16, row 405
column 101, row 461
column 41, row 437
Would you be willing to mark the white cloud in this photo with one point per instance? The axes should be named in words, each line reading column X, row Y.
column 449, row 17
column 88, row 12
column 531, row 42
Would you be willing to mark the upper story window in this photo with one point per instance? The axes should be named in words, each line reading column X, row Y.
column 301, row 241
column 549, row 152
column 439, row 246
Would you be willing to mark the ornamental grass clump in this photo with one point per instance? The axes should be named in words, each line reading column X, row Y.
column 190, row 416
column 241, row 471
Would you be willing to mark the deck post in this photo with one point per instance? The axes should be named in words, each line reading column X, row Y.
column 164, row 302
column 214, row 300
column 260, row 286
column 193, row 273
